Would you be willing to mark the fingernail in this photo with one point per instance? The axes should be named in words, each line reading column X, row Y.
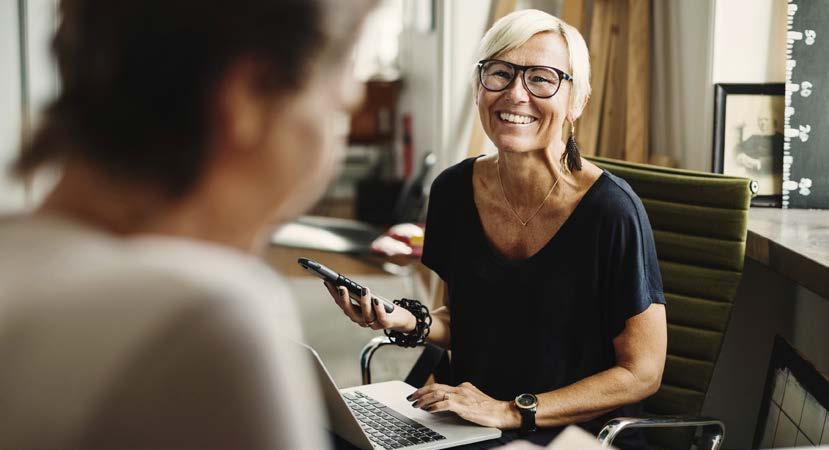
column 414, row 405
column 409, row 398
column 365, row 290
column 375, row 301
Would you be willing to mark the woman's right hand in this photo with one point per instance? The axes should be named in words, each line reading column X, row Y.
column 371, row 315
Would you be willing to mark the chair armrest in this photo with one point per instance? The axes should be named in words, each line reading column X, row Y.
column 433, row 361
column 713, row 430
column 368, row 352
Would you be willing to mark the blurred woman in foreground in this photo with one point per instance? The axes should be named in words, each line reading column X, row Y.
column 135, row 313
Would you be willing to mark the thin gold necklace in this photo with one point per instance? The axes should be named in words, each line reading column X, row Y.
column 523, row 222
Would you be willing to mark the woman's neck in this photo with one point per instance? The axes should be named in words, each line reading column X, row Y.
column 528, row 176
column 125, row 208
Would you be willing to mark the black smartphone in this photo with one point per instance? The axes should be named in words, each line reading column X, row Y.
column 355, row 291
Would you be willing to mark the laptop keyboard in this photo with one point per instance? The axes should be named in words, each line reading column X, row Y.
column 386, row 427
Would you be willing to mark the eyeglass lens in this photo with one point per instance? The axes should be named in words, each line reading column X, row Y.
column 540, row 81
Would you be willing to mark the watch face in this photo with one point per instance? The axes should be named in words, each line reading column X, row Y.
column 526, row 401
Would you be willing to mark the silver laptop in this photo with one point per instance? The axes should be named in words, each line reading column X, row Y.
column 378, row 416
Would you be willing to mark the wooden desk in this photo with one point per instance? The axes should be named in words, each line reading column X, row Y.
column 283, row 259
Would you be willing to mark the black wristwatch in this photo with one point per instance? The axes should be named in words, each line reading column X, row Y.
column 527, row 405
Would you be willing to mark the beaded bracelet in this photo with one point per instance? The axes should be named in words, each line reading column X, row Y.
column 422, row 326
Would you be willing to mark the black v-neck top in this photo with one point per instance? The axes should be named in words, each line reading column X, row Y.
column 541, row 323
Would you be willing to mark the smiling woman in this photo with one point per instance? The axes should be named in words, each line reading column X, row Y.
column 554, row 295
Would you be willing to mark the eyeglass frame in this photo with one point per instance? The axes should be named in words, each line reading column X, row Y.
column 562, row 75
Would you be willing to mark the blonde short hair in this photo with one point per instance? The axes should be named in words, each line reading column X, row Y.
column 515, row 29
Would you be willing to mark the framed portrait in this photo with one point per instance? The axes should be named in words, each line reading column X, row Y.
column 748, row 136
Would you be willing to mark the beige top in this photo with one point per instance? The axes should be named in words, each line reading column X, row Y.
column 148, row 342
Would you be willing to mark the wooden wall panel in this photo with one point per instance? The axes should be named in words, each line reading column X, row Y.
column 587, row 128
column 612, row 125
column 638, row 81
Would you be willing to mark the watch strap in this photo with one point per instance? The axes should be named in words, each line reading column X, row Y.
column 527, row 420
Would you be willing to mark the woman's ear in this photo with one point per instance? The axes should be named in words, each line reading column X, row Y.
column 240, row 107
column 576, row 110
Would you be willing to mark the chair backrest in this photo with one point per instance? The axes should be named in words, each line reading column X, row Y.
column 699, row 222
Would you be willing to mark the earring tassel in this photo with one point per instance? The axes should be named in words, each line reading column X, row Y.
column 572, row 154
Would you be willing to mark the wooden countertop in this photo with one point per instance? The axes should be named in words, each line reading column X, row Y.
column 792, row 242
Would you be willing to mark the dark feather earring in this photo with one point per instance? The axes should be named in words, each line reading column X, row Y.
column 572, row 156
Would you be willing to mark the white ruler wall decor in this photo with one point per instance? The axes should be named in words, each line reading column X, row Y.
column 806, row 137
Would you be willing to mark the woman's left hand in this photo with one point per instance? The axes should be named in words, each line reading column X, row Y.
column 468, row 402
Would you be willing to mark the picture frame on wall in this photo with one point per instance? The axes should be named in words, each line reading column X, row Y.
column 748, row 136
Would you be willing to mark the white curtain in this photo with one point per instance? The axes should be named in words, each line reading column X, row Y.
column 682, row 92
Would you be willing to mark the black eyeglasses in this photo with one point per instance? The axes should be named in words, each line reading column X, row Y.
column 540, row 81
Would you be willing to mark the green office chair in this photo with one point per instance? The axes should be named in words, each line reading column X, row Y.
column 699, row 224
